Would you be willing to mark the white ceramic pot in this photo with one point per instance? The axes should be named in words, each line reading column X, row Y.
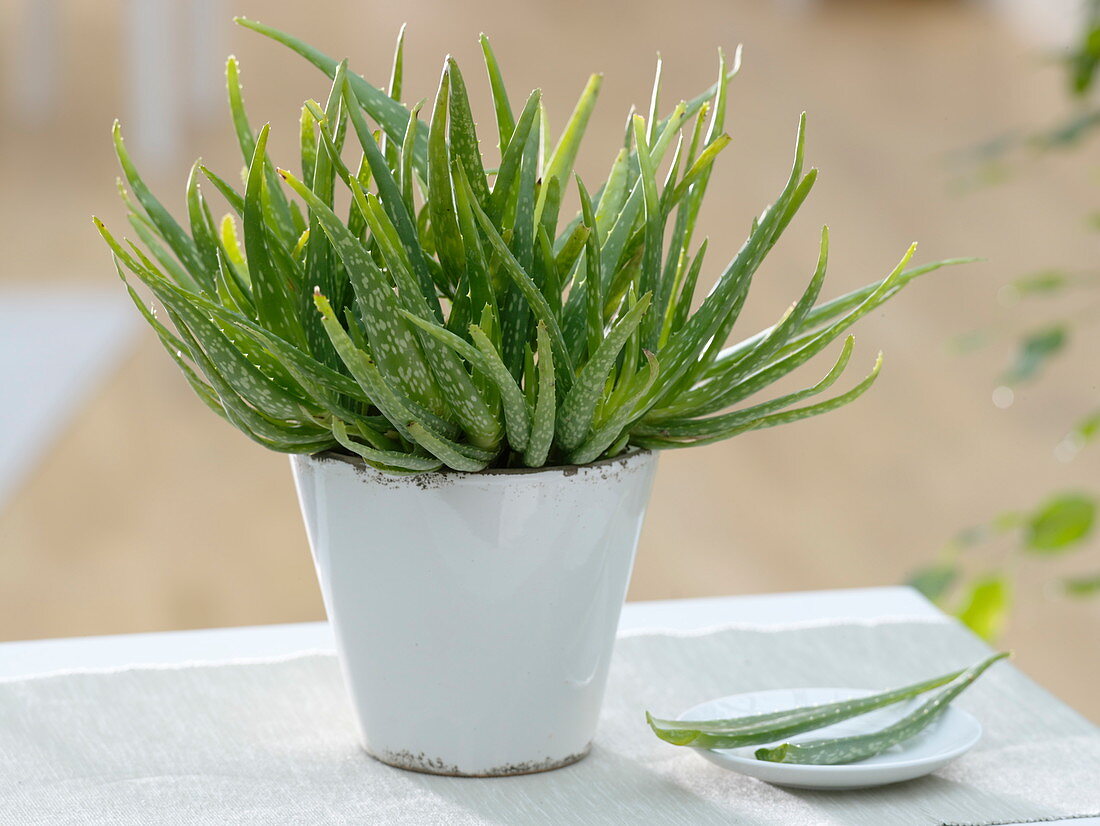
column 475, row 613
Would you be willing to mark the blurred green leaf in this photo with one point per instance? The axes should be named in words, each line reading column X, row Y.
column 1060, row 523
column 986, row 608
column 935, row 580
column 1087, row 428
column 1084, row 60
column 1034, row 351
column 1082, row 586
column 1070, row 131
column 1007, row 521
column 969, row 341
column 969, row 537
column 1043, row 282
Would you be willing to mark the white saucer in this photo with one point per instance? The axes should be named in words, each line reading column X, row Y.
column 952, row 735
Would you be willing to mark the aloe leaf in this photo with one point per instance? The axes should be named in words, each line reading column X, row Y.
column 566, row 258
column 246, row 139
column 692, row 427
column 721, row 92
column 506, row 123
column 285, row 437
column 613, row 428
column 654, row 230
column 395, row 349
column 323, row 267
column 829, row 310
column 768, row 727
column 397, row 73
column 687, row 205
column 388, row 113
column 307, row 143
column 259, row 390
column 671, row 129
column 614, row 194
column 180, row 243
column 654, row 102
column 202, row 225
column 176, row 349
column 247, row 382
column 389, row 192
column 234, row 255
column 455, row 385
column 229, row 290
column 446, row 451
column 622, row 229
column 593, row 279
column 478, row 281
column 721, row 307
column 772, row 420
column 281, row 219
column 700, row 168
column 464, row 143
column 719, row 392
column 294, row 360
column 515, row 315
column 560, row 163
column 408, row 173
column 611, row 250
column 147, row 233
column 148, row 272
column 393, row 117
column 365, row 371
column 546, row 403
column 684, row 293
column 530, row 291
column 309, row 372
column 508, row 172
column 485, row 358
column 274, row 304
column 791, row 322
column 579, row 405
column 441, row 209
column 387, row 459
column 231, row 195
column 861, row 746
column 547, row 270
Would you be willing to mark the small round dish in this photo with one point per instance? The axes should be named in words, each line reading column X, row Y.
column 950, row 736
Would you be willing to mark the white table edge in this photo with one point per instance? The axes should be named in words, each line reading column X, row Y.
column 27, row 658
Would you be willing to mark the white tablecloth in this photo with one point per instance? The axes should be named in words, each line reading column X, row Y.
column 272, row 742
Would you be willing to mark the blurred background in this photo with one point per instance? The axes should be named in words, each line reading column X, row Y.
column 125, row 506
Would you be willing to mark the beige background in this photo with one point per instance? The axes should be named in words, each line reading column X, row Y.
column 149, row 514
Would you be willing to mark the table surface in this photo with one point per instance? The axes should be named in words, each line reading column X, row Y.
column 22, row 659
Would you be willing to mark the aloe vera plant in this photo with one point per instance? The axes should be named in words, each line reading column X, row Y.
column 451, row 316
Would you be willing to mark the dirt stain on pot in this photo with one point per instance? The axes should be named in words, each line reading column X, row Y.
column 420, row 762
column 433, row 480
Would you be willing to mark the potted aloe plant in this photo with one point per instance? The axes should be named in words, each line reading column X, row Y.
column 473, row 384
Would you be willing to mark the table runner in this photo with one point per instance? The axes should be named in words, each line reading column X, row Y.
column 273, row 742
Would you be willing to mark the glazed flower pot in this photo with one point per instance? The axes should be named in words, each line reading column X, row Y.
column 475, row 613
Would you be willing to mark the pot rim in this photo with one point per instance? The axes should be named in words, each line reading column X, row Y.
column 627, row 456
